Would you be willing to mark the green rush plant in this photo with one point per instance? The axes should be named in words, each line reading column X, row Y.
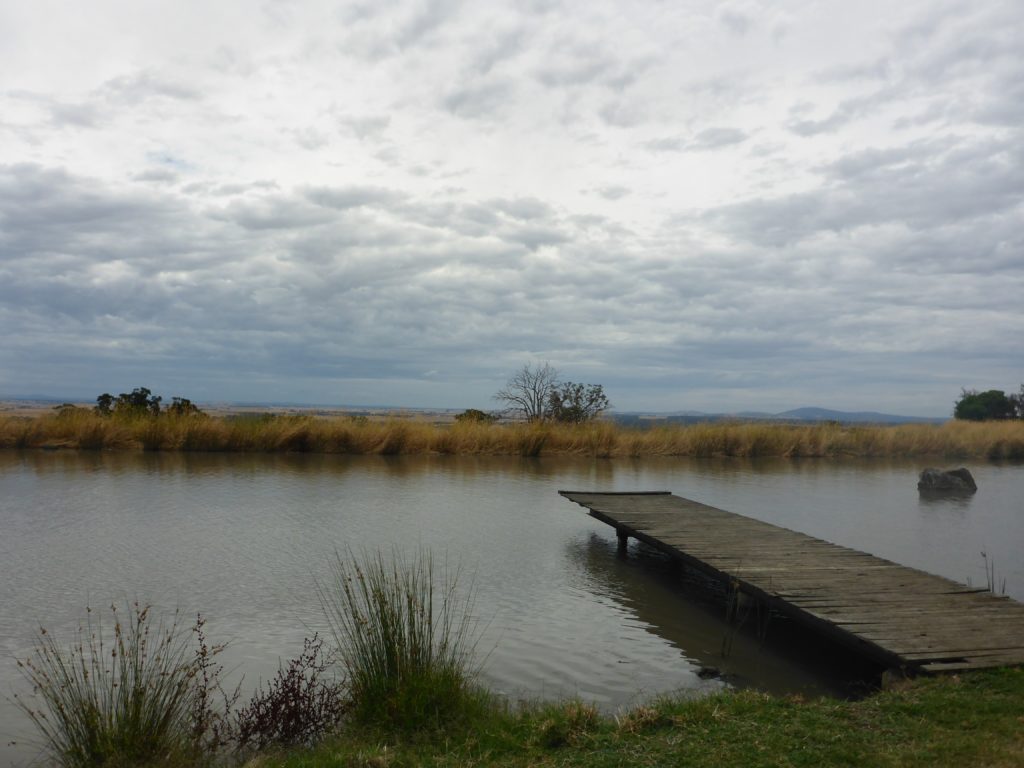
column 136, row 693
column 406, row 635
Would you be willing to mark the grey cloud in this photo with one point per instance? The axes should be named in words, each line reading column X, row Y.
column 572, row 63
column 74, row 114
column 524, row 224
column 944, row 186
column 157, row 175
column 735, row 22
column 281, row 212
column 713, row 138
column 376, row 31
column 523, row 207
column 1003, row 103
column 535, row 236
column 620, row 115
column 575, row 66
column 873, row 160
column 614, row 192
column 667, row 144
column 366, row 126
column 838, row 118
column 427, row 16
column 957, row 64
column 311, row 138
column 141, row 86
column 352, row 196
column 228, row 190
column 705, row 140
column 48, row 207
column 331, row 284
column 497, row 48
column 479, row 99
column 848, row 110
column 879, row 69
column 78, row 115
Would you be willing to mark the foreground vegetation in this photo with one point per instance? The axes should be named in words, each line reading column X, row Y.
column 140, row 691
column 971, row 720
column 169, row 431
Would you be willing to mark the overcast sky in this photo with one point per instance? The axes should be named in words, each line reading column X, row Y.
column 717, row 206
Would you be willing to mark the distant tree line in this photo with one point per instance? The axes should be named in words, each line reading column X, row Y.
column 142, row 402
column 991, row 405
column 536, row 393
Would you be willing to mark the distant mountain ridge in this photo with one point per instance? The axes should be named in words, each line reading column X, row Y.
column 825, row 414
column 806, row 414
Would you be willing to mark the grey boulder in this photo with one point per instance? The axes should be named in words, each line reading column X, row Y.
column 946, row 481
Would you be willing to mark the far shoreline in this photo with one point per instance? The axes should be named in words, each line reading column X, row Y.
column 417, row 433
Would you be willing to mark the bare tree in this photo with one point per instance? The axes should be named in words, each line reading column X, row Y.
column 529, row 390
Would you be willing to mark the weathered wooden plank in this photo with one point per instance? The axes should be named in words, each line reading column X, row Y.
column 888, row 610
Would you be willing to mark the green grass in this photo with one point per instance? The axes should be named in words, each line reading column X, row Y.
column 405, row 636
column 127, row 695
column 973, row 720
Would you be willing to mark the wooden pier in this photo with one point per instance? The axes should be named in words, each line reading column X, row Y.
column 900, row 617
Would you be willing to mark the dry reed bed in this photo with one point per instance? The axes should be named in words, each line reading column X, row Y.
column 86, row 430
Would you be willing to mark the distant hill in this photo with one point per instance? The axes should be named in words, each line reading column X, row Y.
column 630, row 418
column 854, row 417
column 796, row 415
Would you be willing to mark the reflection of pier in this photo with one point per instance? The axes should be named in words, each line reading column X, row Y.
column 686, row 611
column 895, row 615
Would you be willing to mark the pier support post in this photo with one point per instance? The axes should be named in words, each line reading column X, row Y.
column 623, row 541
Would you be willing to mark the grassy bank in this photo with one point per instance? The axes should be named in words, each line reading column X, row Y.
column 83, row 429
column 139, row 691
column 975, row 720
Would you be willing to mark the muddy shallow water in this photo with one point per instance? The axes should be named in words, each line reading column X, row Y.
column 244, row 538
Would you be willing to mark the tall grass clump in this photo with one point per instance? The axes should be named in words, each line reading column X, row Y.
column 138, row 693
column 406, row 637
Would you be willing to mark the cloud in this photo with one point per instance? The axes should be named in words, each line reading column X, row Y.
column 131, row 90
column 479, row 99
column 351, row 196
column 614, row 192
column 75, row 115
column 713, row 138
column 921, row 187
column 737, row 23
column 367, row 127
column 687, row 207
column 666, row 144
column 157, row 175
column 707, row 139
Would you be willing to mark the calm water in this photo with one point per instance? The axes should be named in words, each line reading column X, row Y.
column 243, row 539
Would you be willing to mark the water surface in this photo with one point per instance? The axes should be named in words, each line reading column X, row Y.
column 244, row 539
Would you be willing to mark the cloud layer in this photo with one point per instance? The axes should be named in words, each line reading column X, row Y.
column 700, row 205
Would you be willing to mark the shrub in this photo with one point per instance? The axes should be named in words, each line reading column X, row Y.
column 136, row 694
column 405, row 638
column 298, row 707
column 475, row 416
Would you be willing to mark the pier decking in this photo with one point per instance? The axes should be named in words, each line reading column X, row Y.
column 898, row 616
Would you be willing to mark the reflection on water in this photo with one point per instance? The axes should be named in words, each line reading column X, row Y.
column 941, row 502
column 686, row 611
column 242, row 538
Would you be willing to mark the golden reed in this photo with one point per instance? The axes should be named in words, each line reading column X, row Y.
column 83, row 429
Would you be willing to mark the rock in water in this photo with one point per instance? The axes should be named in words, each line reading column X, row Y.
column 946, row 481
